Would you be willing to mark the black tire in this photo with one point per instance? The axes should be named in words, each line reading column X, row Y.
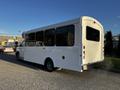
column 1, row 52
column 49, row 66
column 17, row 55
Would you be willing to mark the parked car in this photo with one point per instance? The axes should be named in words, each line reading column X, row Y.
column 1, row 49
column 8, row 49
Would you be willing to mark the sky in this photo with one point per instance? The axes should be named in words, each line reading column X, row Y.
column 17, row 16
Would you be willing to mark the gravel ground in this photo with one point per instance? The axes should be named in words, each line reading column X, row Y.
column 18, row 75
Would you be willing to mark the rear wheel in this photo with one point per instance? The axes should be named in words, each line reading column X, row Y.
column 49, row 66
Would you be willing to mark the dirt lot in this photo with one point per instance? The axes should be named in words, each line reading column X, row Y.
column 17, row 75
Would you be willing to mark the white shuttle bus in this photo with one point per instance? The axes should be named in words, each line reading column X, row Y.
column 71, row 45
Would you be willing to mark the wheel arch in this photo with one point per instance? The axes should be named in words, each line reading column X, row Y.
column 17, row 52
column 48, row 59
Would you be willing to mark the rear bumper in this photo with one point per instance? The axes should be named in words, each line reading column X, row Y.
column 98, row 61
column 85, row 66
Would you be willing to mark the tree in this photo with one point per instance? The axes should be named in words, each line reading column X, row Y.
column 108, row 43
column 118, row 48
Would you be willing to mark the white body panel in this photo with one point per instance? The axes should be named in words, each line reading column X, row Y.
column 71, row 61
column 73, row 54
column 93, row 50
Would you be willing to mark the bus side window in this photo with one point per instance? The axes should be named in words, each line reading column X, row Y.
column 40, row 38
column 50, row 37
column 65, row 36
column 70, row 38
column 31, row 37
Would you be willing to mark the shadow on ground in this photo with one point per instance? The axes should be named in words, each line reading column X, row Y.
column 8, row 57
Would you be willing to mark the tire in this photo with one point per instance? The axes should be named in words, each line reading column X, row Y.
column 17, row 55
column 49, row 66
column 1, row 52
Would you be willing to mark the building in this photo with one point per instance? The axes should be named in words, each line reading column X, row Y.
column 115, row 40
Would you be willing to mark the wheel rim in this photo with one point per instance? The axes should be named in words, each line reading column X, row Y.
column 49, row 66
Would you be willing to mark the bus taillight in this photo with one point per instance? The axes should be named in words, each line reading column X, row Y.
column 83, row 52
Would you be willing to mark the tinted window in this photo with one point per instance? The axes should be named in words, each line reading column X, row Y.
column 92, row 34
column 50, row 37
column 65, row 36
column 31, row 37
column 39, row 36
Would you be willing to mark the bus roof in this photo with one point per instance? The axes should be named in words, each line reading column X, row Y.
column 73, row 21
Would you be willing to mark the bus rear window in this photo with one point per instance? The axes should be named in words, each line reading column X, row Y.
column 92, row 34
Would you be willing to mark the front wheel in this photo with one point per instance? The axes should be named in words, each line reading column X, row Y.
column 17, row 55
column 49, row 66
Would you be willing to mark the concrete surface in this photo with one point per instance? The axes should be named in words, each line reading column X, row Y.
column 19, row 75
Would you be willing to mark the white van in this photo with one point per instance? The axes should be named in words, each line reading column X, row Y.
column 70, row 45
